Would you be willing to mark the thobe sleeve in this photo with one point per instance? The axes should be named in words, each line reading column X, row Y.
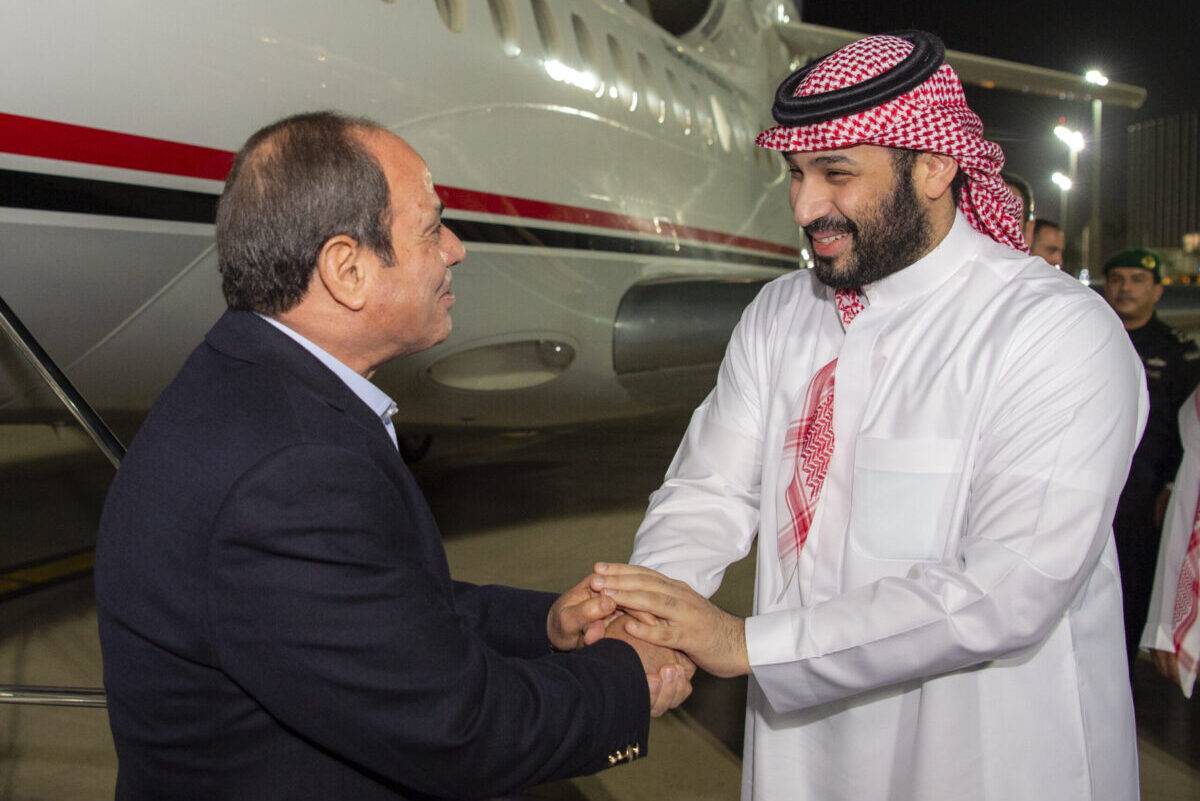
column 705, row 515
column 1055, row 442
column 1177, row 530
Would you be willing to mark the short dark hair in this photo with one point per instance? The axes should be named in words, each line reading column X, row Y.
column 1023, row 189
column 903, row 161
column 295, row 184
column 1041, row 224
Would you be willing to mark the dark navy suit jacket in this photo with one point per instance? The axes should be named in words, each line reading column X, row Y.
column 278, row 621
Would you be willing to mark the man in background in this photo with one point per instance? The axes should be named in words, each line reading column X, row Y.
column 1024, row 193
column 1133, row 287
column 1172, row 632
column 276, row 614
column 1047, row 241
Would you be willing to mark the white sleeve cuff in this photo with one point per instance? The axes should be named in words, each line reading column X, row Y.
column 774, row 637
column 773, row 646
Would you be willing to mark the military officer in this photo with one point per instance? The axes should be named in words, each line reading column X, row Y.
column 1133, row 287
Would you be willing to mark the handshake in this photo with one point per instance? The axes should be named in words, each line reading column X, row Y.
column 673, row 628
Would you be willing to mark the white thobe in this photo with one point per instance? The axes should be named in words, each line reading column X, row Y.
column 954, row 630
column 1177, row 530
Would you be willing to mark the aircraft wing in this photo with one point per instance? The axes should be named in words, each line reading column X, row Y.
column 808, row 41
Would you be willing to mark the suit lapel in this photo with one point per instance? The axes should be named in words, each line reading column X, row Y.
column 246, row 336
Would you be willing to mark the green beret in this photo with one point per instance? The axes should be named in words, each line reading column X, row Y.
column 1140, row 258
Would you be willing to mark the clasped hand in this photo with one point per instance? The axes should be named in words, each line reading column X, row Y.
column 582, row 616
column 672, row 615
column 671, row 626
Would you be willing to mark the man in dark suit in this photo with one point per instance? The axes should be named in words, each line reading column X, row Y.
column 276, row 613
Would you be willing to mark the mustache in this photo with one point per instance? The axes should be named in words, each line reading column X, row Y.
column 830, row 224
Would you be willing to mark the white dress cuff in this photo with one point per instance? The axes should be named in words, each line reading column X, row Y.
column 772, row 644
column 772, row 638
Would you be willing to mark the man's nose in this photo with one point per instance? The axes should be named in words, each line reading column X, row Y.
column 809, row 202
column 453, row 248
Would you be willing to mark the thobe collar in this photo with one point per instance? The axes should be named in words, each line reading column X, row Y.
column 958, row 247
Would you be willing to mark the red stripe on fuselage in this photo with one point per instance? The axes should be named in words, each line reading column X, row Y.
column 28, row 136
column 472, row 200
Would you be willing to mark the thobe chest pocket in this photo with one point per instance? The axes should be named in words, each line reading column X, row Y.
column 902, row 500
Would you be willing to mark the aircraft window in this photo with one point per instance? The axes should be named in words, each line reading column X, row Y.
column 724, row 134
column 671, row 15
column 504, row 19
column 682, row 112
column 749, row 129
column 654, row 100
column 703, row 118
column 547, row 29
column 624, row 74
column 583, row 40
column 453, row 14
column 640, row 6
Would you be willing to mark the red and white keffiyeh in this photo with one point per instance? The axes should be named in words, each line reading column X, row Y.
column 932, row 117
column 810, row 443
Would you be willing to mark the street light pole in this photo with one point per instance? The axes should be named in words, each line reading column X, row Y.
column 1074, row 142
column 1073, row 164
column 1093, row 252
column 1093, row 244
column 1064, row 183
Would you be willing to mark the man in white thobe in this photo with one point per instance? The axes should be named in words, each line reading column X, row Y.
column 1172, row 632
column 937, row 606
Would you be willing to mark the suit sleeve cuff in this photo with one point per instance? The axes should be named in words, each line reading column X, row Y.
column 628, row 707
column 530, row 612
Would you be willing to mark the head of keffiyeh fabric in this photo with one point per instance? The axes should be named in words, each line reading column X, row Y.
column 894, row 90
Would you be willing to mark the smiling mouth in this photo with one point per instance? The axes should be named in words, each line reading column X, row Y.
column 825, row 240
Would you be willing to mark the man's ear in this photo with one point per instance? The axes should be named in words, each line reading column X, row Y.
column 934, row 174
column 340, row 269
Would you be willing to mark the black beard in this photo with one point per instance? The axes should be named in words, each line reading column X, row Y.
column 887, row 240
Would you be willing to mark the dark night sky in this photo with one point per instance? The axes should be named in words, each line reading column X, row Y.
column 1151, row 44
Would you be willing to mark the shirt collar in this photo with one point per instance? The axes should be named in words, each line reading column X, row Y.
column 958, row 247
column 378, row 401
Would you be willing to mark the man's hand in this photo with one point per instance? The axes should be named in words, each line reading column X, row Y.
column 668, row 673
column 714, row 639
column 577, row 618
column 1167, row 664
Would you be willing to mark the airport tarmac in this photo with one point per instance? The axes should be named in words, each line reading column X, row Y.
column 532, row 510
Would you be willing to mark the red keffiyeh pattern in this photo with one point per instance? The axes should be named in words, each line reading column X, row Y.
column 810, row 443
column 1184, row 617
column 933, row 117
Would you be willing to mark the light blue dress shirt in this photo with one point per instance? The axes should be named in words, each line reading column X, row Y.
column 376, row 399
